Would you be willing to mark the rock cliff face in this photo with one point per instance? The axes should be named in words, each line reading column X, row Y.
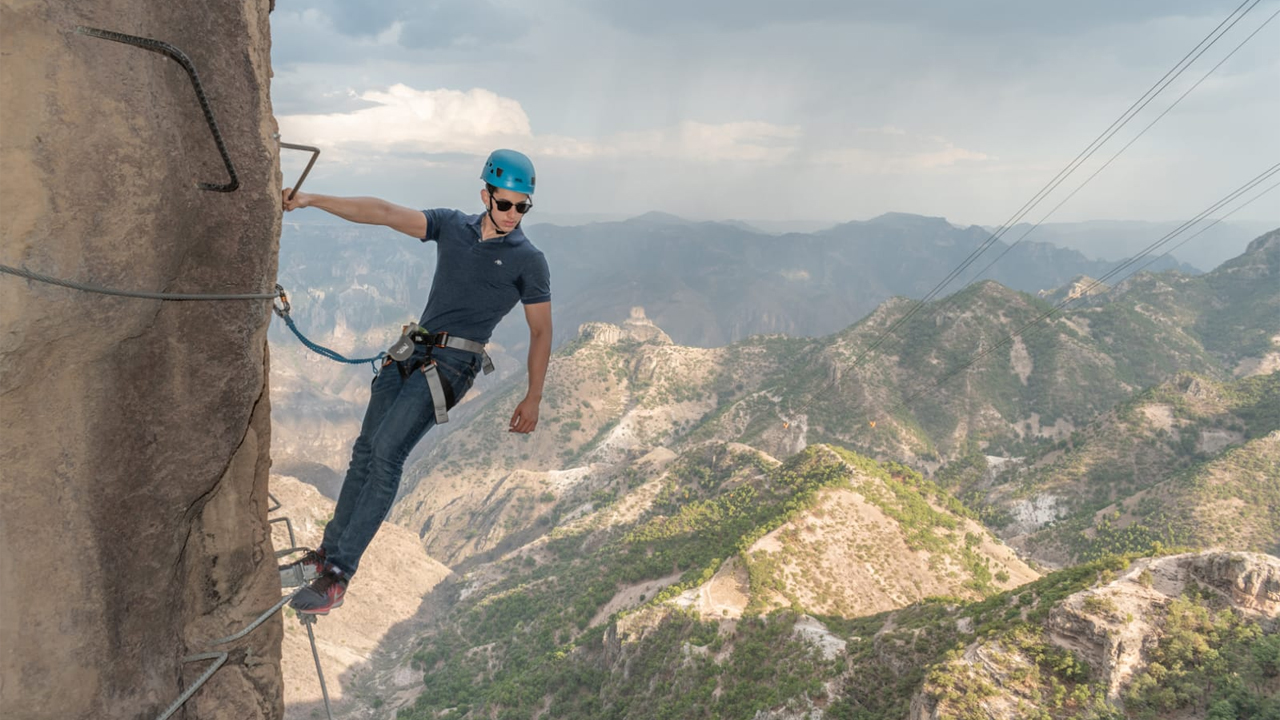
column 135, row 432
column 1112, row 629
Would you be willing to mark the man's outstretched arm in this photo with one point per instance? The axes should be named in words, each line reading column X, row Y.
column 538, row 315
column 367, row 210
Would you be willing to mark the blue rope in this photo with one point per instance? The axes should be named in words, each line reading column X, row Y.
column 326, row 352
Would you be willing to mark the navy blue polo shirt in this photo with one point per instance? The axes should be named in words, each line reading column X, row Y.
column 477, row 283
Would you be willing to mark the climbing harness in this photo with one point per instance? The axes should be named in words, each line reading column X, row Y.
column 166, row 49
column 219, row 657
column 414, row 336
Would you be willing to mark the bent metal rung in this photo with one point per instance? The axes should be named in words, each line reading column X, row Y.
column 181, row 58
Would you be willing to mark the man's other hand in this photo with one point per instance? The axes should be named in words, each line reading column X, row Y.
column 525, row 418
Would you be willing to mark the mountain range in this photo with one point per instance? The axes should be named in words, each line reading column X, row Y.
column 705, row 284
column 982, row 517
column 618, row 392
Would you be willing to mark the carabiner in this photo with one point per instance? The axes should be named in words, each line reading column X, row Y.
column 284, row 299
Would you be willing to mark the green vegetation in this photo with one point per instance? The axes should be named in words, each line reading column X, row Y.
column 683, row 668
column 527, row 644
column 1047, row 682
column 1211, row 662
column 961, row 475
column 893, row 655
column 1137, row 486
column 1241, row 317
column 497, row 652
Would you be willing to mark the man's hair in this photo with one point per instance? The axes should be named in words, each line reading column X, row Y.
column 490, row 189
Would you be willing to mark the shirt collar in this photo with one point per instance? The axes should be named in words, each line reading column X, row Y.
column 515, row 237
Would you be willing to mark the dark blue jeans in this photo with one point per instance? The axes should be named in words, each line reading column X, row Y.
column 400, row 413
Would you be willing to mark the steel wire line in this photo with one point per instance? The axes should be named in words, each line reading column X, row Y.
column 1201, row 230
column 1102, row 415
column 1257, row 180
column 1138, row 105
column 1121, row 151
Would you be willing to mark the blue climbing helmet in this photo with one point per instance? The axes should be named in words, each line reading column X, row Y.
column 510, row 170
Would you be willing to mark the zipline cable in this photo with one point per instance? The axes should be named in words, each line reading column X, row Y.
column 1181, row 66
column 1201, row 230
column 1257, row 180
column 1121, row 151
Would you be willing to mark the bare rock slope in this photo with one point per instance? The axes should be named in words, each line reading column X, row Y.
column 135, row 432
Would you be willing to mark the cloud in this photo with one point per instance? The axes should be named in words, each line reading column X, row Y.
column 404, row 119
column 472, row 25
column 985, row 16
column 882, row 130
column 429, row 124
column 706, row 142
column 949, row 155
column 890, row 150
column 433, row 121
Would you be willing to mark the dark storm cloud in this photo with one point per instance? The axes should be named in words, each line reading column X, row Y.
column 974, row 16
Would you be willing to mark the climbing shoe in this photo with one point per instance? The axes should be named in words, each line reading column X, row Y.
column 322, row 595
column 303, row 570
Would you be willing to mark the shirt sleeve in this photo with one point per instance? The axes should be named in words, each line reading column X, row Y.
column 535, row 281
column 435, row 220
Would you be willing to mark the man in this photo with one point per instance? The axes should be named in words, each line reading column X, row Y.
column 484, row 266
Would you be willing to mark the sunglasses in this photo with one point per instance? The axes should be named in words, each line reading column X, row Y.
column 522, row 207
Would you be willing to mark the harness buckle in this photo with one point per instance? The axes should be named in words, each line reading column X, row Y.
column 403, row 348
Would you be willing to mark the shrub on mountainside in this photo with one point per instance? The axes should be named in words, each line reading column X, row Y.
column 1208, row 661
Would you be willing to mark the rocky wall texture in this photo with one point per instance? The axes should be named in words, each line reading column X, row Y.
column 134, row 434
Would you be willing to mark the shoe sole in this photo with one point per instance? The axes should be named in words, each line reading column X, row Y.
column 320, row 610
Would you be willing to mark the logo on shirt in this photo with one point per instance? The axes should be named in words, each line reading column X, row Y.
column 497, row 262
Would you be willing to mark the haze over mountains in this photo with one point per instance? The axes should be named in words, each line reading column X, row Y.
column 705, row 284
column 1115, row 239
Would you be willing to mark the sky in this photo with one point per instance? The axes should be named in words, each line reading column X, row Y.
column 806, row 111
